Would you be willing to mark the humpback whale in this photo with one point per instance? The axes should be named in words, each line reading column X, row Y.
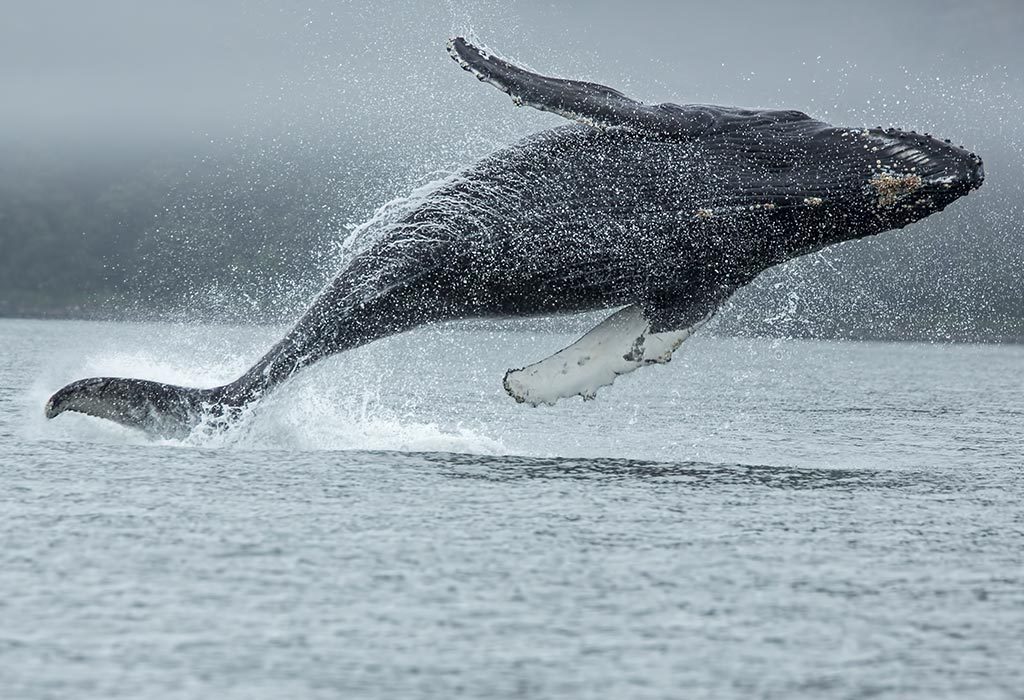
column 656, row 211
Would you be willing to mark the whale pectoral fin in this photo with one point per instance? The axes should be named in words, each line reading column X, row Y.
column 620, row 344
column 590, row 103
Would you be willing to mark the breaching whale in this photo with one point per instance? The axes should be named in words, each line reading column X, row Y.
column 664, row 210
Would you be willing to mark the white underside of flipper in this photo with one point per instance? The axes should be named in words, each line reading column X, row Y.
column 620, row 344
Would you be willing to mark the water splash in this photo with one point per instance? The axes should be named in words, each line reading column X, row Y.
column 348, row 403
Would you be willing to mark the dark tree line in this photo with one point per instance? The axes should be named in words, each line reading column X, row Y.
column 115, row 235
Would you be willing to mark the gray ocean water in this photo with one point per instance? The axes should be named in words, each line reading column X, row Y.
column 759, row 518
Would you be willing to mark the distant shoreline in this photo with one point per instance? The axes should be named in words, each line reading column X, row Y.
column 571, row 323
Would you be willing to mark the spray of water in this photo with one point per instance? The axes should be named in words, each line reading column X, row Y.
column 965, row 262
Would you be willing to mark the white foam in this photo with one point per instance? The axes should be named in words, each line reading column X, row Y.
column 314, row 417
column 337, row 405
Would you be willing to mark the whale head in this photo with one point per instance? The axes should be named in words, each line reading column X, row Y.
column 891, row 178
column 813, row 184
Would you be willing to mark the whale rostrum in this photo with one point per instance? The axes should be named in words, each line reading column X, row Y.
column 659, row 212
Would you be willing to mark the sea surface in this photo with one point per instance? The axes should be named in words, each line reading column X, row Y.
column 759, row 518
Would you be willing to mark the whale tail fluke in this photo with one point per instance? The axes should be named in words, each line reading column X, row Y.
column 159, row 409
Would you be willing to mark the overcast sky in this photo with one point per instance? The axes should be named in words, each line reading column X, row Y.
column 131, row 69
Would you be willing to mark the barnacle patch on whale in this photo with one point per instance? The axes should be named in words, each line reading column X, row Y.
column 892, row 187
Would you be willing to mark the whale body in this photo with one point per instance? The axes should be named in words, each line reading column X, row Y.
column 663, row 210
